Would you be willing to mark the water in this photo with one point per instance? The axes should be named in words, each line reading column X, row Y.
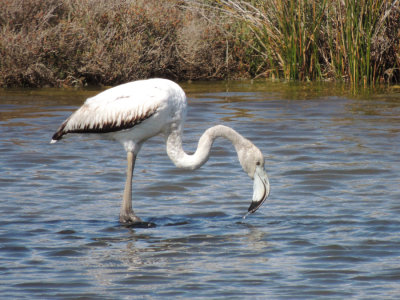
column 330, row 229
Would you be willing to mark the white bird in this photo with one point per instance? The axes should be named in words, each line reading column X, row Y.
column 133, row 112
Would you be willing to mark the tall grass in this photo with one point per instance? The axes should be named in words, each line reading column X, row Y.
column 355, row 40
column 290, row 36
column 356, row 35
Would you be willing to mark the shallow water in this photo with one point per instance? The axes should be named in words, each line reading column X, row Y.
column 330, row 228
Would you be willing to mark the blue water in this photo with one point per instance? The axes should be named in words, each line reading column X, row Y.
column 330, row 228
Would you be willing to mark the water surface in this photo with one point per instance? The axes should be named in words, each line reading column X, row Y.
column 330, row 228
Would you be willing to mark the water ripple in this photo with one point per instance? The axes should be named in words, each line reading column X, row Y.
column 330, row 228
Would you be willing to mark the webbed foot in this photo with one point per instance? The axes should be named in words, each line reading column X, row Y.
column 129, row 218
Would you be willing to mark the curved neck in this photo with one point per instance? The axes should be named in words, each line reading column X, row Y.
column 183, row 160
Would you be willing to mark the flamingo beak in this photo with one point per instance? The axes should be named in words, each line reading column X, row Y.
column 260, row 189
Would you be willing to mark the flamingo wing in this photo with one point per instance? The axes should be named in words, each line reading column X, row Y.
column 118, row 108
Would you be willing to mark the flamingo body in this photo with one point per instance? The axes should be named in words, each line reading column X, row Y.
column 130, row 113
column 133, row 112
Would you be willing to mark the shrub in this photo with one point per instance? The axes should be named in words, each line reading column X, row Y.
column 76, row 42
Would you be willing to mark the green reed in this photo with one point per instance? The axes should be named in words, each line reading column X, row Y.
column 321, row 39
column 286, row 34
column 297, row 36
column 353, row 29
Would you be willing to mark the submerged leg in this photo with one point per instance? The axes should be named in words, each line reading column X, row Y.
column 126, row 214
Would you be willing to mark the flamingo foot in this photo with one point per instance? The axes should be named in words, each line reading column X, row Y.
column 129, row 218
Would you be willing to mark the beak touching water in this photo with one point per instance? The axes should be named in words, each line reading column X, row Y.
column 260, row 189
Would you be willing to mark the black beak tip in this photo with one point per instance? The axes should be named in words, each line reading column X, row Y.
column 254, row 206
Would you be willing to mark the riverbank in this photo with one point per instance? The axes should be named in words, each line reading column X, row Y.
column 77, row 43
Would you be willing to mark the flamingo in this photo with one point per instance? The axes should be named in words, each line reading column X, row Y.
column 133, row 112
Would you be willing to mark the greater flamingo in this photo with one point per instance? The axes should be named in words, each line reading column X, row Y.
column 133, row 112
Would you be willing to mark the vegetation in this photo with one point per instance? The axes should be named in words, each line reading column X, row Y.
column 354, row 40
column 80, row 42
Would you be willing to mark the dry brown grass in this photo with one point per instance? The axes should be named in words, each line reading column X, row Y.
column 79, row 42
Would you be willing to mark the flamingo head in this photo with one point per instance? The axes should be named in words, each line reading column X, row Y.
column 252, row 161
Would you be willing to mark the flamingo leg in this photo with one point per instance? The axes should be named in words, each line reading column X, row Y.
column 126, row 213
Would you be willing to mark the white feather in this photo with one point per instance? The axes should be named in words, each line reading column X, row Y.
column 132, row 102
